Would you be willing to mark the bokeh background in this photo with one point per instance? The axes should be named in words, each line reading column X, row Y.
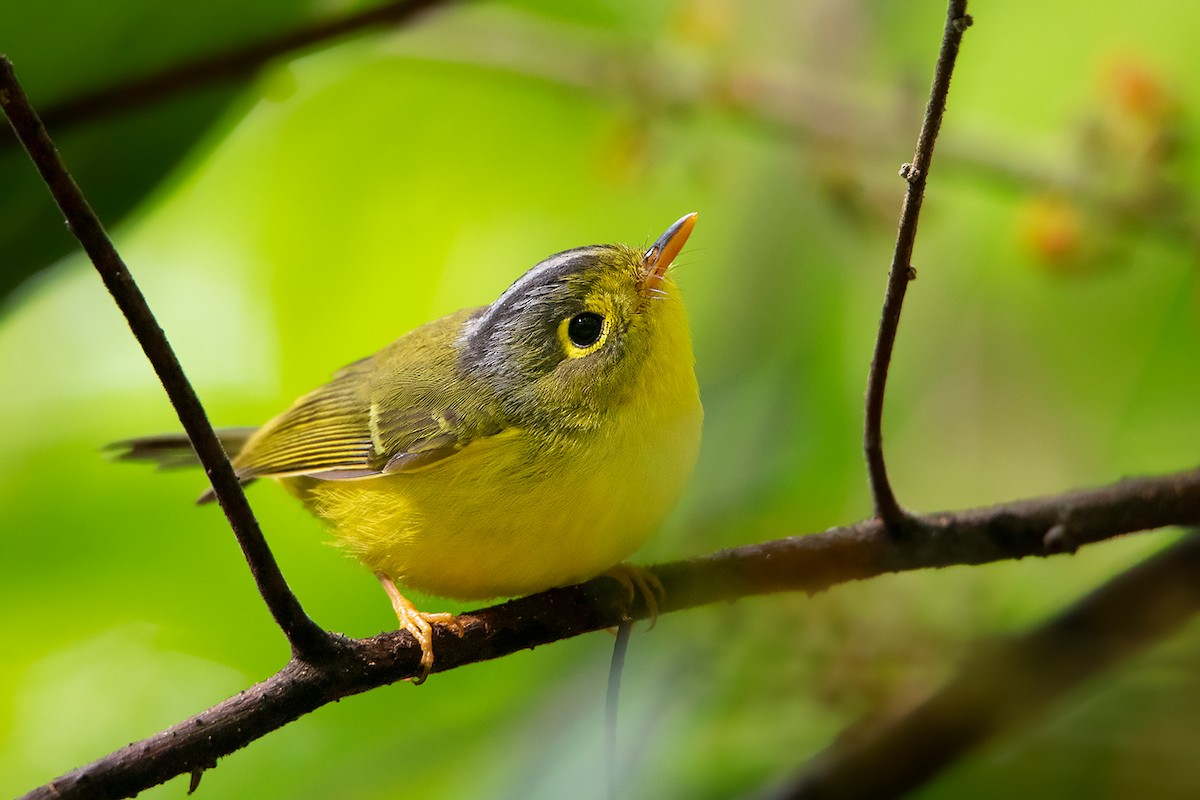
column 290, row 222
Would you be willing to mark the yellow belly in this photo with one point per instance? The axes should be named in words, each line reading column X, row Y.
column 510, row 515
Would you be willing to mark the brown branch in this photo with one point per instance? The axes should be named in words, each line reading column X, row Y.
column 901, row 272
column 811, row 563
column 212, row 68
column 1010, row 682
column 305, row 636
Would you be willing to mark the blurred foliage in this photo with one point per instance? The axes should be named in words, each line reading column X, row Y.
column 70, row 47
column 1050, row 341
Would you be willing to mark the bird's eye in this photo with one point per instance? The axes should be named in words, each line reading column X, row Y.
column 584, row 329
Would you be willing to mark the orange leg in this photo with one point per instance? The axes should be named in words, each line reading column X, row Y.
column 418, row 623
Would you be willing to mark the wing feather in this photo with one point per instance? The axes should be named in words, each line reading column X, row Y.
column 372, row 419
column 326, row 430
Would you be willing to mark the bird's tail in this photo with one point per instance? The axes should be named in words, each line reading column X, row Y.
column 174, row 450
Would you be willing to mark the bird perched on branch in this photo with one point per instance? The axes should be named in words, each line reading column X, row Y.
column 503, row 450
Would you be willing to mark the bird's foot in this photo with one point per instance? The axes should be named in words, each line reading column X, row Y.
column 419, row 623
column 639, row 580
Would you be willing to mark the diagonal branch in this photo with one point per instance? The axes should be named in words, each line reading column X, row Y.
column 212, row 68
column 916, row 173
column 305, row 636
column 1012, row 681
column 811, row 563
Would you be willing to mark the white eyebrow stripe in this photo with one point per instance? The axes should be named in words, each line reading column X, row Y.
column 537, row 274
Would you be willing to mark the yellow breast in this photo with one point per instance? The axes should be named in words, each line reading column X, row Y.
column 521, row 512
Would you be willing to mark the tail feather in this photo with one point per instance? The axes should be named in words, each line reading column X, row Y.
column 174, row 450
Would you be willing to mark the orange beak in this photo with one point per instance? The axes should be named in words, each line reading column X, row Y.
column 660, row 255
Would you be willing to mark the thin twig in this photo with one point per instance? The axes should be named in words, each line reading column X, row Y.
column 886, row 506
column 213, row 68
column 811, row 563
column 612, row 702
column 306, row 637
column 1012, row 681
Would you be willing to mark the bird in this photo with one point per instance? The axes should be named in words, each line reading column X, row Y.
column 501, row 450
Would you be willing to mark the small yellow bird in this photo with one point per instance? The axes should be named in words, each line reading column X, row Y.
column 503, row 450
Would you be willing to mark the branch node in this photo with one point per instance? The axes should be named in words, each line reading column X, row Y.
column 963, row 22
column 912, row 273
column 1058, row 540
column 887, row 509
column 196, row 775
column 899, row 524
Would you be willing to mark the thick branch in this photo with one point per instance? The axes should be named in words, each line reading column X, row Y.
column 809, row 563
column 1012, row 681
column 213, row 68
column 916, row 173
column 305, row 636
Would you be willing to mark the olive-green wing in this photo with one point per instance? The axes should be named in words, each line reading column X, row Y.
column 325, row 431
column 363, row 424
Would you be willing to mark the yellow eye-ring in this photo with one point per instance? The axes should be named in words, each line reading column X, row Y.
column 583, row 333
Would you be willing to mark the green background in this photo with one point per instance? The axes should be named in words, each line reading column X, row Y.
column 299, row 219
